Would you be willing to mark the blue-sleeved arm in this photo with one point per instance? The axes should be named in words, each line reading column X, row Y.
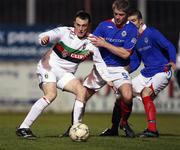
column 131, row 39
column 135, row 61
column 165, row 44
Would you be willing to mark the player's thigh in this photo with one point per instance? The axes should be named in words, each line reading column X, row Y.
column 94, row 81
column 126, row 91
column 124, row 87
column 74, row 86
column 138, row 84
column 64, row 80
column 50, row 90
column 44, row 75
column 160, row 81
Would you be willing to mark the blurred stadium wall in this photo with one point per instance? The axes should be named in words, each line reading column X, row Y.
column 22, row 20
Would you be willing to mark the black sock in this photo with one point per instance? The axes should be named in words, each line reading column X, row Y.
column 116, row 115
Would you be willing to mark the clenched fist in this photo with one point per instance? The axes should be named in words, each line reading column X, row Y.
column 45, row 40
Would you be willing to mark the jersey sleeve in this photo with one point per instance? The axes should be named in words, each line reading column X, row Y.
column 131, row 39
column 94, row 51
column 99, row 63
column 54, row 35
column 164, row 44
column 135, row 61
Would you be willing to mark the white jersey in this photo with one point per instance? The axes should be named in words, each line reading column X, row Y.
column 178, row 61
column 71, row 50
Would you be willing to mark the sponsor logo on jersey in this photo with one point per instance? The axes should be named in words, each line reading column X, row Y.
column 70, row 54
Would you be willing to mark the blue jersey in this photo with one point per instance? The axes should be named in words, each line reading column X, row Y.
column 125, row 37
column 155, row 51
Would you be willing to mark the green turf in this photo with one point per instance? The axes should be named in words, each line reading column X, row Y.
column 50, row 125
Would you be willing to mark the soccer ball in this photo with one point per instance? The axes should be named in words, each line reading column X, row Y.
column 79, row 132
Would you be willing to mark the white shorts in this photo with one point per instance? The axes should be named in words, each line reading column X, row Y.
column 56, row 74
column 118, row 76
column 157, row 83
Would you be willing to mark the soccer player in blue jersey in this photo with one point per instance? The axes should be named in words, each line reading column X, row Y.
column 158, row 56
column 116, row 39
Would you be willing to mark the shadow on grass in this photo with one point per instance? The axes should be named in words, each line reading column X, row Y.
column 120, row 136
column 170, row 135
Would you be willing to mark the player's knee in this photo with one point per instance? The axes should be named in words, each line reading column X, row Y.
column 89, row 93
column 51, row 96
column 146, row 92
column 81, row 93
column 127, row 96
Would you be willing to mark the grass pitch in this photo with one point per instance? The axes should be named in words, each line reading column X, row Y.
column 49, row 126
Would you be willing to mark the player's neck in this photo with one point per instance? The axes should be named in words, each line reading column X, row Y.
column 142, row 28
column 118, row 25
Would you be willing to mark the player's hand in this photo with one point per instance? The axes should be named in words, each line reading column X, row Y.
column 110, row 83
column 99, row 42
column 128, row 68
column 91, row 37
column 45, row 40
column 172, row 64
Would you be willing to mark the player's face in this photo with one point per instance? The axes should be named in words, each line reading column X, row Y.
column 134, row 19
column 81, row 27
column 119, row 16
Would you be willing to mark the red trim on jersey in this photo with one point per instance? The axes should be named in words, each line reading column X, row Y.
column 109, row 20
column 118, row 26
column 59, row 47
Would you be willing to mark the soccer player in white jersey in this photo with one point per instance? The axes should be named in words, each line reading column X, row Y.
column 58, row 65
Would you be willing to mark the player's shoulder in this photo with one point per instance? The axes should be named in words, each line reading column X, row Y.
column 89, row 37
column 131, row 25
column 64, row 28
column 60, row 29
column 106, row 22
column 131, row 28
column 153, row 31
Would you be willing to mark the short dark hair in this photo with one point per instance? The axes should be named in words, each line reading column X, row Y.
column 124, row 5
column 135, row 12
column 83, row 15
